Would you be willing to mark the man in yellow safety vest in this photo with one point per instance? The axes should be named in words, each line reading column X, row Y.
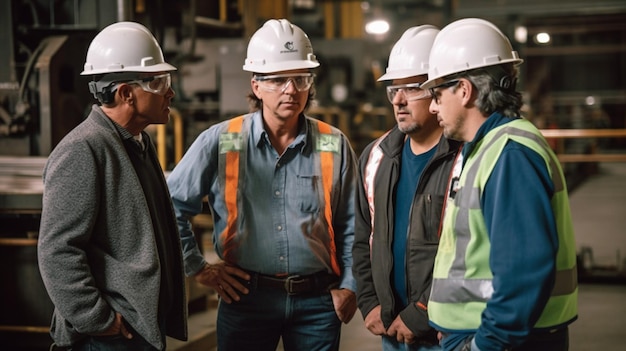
column 505, row 272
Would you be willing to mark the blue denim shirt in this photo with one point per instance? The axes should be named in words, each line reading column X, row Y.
column 280, row 197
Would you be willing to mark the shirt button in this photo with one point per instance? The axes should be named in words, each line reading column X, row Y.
column 282, row 258
column 280, row 227
column 277, row 193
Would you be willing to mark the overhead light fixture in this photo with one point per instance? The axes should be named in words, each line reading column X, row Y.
column 377, row 27
column 542, row 38
column 521, row 34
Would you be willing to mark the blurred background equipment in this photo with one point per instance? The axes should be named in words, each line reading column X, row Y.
column 573, row 81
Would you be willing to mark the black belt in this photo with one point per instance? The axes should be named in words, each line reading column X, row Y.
column 298, row 284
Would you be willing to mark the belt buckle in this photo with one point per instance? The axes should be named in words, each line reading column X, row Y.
column 291, row 282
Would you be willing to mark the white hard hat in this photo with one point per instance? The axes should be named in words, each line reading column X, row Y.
column 409, row 56
column 279, row 46
column 124, row 47
column 468, row 44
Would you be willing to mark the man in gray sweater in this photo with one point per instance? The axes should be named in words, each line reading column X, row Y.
column 108, row 250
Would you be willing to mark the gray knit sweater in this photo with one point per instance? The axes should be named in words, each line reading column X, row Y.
column 97, row 252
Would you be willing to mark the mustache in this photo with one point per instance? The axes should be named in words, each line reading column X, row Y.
column 403, row 110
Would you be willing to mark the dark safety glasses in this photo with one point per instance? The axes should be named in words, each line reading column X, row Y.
column 435, row 92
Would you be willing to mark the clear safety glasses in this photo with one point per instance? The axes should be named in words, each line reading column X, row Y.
column 280, row 82
column 435, row 92
column 158, row 84
column 411, row 92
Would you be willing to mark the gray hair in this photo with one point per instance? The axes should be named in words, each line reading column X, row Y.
column 496, row 89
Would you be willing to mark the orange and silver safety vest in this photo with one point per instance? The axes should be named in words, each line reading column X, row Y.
column 233, row 149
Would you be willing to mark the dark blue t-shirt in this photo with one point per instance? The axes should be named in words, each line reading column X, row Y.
column 410, row 171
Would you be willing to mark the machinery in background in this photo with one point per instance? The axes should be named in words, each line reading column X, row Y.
column 42, row 97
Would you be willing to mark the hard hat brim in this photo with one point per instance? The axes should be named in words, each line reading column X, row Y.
column 433, row 82
column 159, row 67
column 400, row 74
column 280, row 66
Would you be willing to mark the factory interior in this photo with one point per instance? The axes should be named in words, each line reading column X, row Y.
column 573, row 82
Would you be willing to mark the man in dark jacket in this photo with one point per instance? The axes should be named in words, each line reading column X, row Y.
column 402, row 186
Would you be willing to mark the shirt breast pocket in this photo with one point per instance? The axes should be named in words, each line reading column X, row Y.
column 434, row 211
column 309, row 190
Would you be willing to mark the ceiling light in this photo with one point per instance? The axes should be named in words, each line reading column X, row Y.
column 542, row 38
column 521, row 34
column 376, row 27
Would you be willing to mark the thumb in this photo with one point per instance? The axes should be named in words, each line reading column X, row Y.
column 125, row 333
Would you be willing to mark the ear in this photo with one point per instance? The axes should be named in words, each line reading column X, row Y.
column 126, row 93
column 467, row 91
column 256, row 89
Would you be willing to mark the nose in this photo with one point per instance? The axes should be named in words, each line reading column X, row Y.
column 399, row 99
column 434, row 107
column 170, row 92
column 291, row 86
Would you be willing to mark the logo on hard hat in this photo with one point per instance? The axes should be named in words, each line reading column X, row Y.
column 289, row 46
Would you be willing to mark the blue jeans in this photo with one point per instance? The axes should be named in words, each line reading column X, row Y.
column 391, row 344
column 536, row 341
column 258, row 321
column 115, row 343
column 556, row 341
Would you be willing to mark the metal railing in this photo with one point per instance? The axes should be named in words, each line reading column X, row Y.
column 560, row 135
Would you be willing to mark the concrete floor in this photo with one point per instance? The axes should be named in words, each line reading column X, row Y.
column 599, row 214
column 601, row 325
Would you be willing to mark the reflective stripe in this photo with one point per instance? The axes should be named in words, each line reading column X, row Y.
column 326, row 163
column 461, row 290
column 231, row 184
column 371, row 168
column 471, row 290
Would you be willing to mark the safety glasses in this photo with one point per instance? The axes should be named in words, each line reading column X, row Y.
column 280, row 82
column 158, row 84
column 435, row 92
column 411, row 92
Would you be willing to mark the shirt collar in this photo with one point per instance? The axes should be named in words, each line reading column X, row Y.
column 127, row 136
column 496, row 119
column 124, row 133
column 260, row 136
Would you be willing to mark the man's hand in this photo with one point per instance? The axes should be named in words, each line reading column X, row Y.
column 344, row 301
column 374, row 323
column 222, row 278
column 117, row 328
column 402, row 333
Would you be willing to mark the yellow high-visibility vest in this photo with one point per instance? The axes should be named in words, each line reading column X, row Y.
column 462, row 277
